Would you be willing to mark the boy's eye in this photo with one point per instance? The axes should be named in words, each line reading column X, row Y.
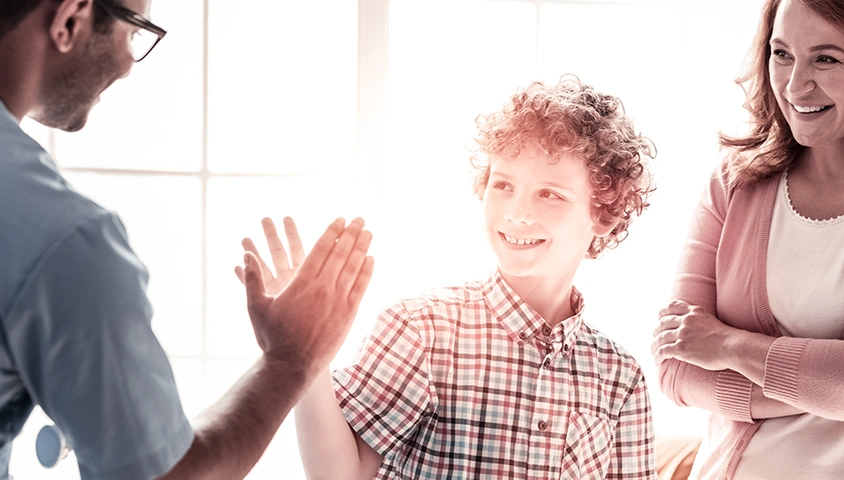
column 551, row 195
column 502, row 186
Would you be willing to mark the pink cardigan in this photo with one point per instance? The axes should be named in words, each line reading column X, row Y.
column 722, row 269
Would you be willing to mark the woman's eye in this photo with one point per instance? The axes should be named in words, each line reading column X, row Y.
column 827, row 59
column 779, row 55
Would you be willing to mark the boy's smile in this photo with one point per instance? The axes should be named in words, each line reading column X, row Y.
column 521, row 242
column 538, row 216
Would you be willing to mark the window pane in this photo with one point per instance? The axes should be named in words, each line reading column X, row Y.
column 162, row 216
column 282, row 86
column 235, row 209
column 674, row 77
column 151, row 120
column 479, row 54
column 190, row 381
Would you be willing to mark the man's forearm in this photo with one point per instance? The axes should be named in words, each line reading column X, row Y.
column 232, row 434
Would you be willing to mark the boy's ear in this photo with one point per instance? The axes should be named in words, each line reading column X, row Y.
column 72, row 17
column 601, row 230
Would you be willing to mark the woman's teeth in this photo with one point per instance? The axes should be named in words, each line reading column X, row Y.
column 810, row 109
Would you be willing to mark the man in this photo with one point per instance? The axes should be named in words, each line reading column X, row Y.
column 75, row 334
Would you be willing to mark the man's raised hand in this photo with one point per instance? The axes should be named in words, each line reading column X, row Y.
column 305, row 322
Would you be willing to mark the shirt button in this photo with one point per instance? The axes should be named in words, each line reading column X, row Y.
column 566, row 348
column 546, row 330
column 547, row 363
column 542, row 426
column 522, row 335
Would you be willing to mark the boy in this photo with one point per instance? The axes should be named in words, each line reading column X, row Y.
column 501, row 378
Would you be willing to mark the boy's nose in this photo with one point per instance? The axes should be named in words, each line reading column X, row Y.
column 520, row 214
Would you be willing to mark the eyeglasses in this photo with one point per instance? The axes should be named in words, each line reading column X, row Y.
column 148, row 35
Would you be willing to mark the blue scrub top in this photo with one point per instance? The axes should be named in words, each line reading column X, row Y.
column 75, row 331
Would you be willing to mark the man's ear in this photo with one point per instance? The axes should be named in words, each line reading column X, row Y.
column 72, row 18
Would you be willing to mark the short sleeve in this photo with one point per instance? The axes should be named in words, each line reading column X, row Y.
column 80, row 335
column 386, row 392
column 633, row 446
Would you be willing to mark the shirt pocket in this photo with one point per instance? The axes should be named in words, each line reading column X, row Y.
column 586, row 454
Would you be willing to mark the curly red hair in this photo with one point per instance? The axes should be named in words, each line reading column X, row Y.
column 572, row 117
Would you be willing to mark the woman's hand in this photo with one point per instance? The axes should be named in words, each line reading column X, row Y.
column 284, row 268
column 688, row 333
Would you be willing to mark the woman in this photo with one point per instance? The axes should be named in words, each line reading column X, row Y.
column 765, row 255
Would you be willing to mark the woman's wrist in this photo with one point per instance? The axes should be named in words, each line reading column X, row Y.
column 747, row 353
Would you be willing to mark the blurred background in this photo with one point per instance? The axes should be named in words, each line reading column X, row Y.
column 325, row 108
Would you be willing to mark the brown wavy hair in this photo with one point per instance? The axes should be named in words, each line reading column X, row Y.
column 572, row 117
column 769, row 147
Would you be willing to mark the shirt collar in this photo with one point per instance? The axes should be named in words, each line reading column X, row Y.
column 5, row 114
column 524, row 324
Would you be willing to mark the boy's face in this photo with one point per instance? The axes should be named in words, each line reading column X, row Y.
column 537, row 215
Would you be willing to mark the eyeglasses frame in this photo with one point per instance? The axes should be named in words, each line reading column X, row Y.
column 134, row 18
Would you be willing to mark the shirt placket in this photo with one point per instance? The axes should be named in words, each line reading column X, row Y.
column 548, row 422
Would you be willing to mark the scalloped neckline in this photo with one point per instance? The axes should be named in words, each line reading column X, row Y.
column 807, row 220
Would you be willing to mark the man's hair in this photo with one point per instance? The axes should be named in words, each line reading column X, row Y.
column 13, row 11
column 769, row 147
column 572, row 117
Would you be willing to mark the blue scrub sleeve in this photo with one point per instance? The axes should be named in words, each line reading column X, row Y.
column 80, row 335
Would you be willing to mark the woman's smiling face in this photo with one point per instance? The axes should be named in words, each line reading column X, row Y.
column 806, row 68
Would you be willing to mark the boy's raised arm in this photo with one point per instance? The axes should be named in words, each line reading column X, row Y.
column 330, row 449
column 299, row 326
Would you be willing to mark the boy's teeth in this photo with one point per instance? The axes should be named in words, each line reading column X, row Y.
column 808, row 109
column 520, row 241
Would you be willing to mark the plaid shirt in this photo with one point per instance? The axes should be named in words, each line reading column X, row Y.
column 470, row 382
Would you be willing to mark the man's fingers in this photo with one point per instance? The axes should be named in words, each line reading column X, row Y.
column 313, row 264
column 297, row 252
column 256, row 297
column 361, row 282
column 341, row 252
column 277, row 252
column 350, row 271
column 249, row 246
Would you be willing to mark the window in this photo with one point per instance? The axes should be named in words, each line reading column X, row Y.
column 340, row 107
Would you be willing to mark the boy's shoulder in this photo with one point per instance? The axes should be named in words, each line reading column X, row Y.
column 612, row 357
column 440, row 299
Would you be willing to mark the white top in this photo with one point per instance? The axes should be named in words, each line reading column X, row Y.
column 805, row 282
